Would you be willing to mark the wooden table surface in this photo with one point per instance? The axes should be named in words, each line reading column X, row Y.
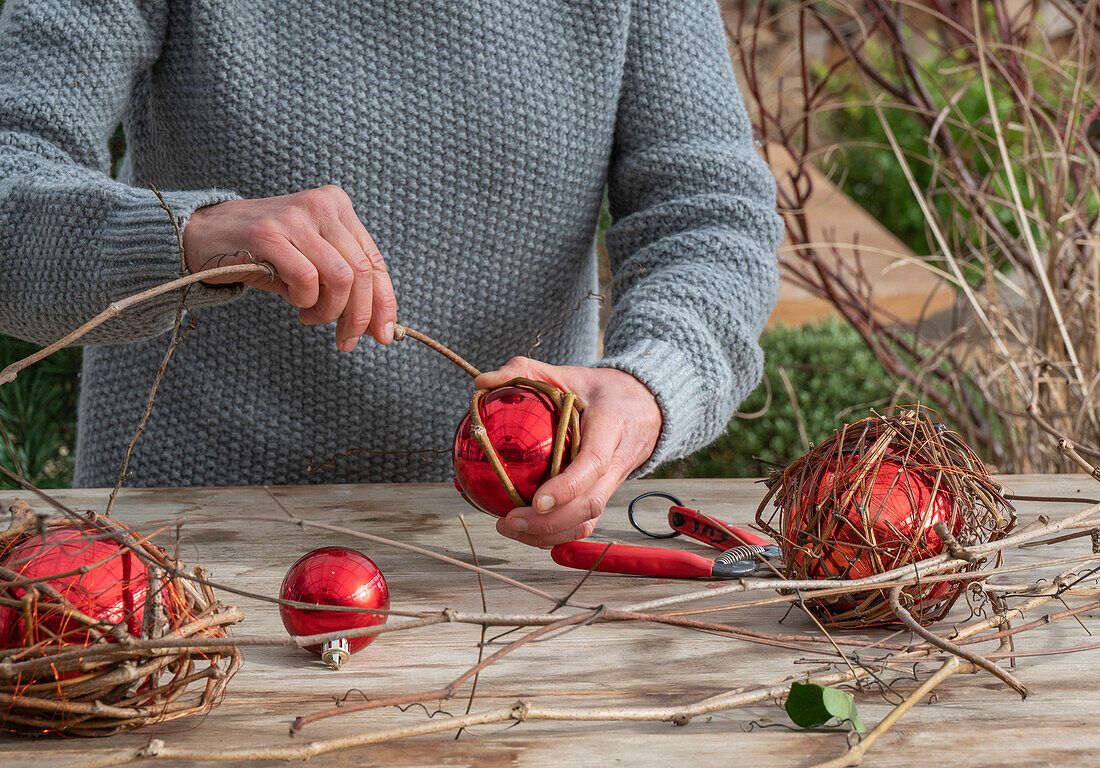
column 974, row 720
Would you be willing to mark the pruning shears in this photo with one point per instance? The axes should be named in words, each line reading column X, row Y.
column 743, row 551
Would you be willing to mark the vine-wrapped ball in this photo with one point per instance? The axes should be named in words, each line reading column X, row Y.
column 112, row 587
column 855, row 521
column 520, row 423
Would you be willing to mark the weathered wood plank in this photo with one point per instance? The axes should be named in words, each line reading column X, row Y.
column 975, row 721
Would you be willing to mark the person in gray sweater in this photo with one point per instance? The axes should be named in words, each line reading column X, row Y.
column 439, row 161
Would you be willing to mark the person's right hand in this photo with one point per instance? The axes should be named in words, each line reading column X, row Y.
column 327, row 263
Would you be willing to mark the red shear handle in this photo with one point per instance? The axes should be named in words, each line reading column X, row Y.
column 636, row 561
column 710, row 530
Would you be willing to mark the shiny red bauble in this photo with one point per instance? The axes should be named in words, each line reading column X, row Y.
column 113, row 589
column 886, row 523
column 334, row 576
column 520, row 423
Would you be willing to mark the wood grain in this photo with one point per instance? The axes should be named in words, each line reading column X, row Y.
column 975, row 720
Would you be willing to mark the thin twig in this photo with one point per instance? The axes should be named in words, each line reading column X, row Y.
column 977, row 660
column 854, row 755
column 401, row 331
column 484, row 628
column 118, row 307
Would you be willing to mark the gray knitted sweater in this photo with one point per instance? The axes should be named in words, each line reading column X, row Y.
column 475, row 139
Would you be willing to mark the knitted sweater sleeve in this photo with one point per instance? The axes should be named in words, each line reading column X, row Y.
column 694, row 236
column 71, row 239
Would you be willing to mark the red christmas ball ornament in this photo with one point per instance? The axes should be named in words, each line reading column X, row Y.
column 112, row 589
column 75, row 591
column 522, row 424
column 334, row 576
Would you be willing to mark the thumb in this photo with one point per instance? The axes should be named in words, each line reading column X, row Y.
column 523, row 368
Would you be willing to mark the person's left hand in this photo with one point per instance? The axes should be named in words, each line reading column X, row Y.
column 619, row 430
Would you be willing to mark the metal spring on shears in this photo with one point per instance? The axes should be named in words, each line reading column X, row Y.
column 744, row 552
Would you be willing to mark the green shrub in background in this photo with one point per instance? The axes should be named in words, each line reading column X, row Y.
column 869, row 172
column 38, row 415
column 834, row 377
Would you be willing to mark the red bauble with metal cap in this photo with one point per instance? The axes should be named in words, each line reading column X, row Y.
column 520, row 423
column 334, row 576
column 112, row 588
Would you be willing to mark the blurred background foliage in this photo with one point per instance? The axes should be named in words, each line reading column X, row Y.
column 38, row 415
column 994, row 107
column 867, row 170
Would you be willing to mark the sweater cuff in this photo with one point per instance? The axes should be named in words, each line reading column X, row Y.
column 670, row 376
column 142, row 241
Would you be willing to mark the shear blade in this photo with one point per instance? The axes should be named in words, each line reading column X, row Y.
column 736, row 568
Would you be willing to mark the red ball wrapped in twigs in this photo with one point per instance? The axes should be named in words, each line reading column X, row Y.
column 83, row 604
column 93, row 573
column 515, row 438
column 880, row 494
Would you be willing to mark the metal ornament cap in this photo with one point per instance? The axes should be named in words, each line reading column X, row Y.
column 335, row 652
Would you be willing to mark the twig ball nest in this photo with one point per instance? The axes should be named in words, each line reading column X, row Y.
column 83, row 604
column 883, row 493
column 515, row 438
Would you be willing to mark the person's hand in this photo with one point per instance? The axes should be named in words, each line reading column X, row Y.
column 619, row 430
column 327, row 264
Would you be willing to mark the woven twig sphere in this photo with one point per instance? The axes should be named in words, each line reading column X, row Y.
column 83, row 606
column 516, row 437
column 875, row 496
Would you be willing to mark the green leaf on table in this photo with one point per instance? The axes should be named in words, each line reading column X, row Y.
column 809, row 705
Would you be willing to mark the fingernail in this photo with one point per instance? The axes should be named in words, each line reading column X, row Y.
column 519, row 525
column 544, row 503
column 346, row 345
column 387, row 333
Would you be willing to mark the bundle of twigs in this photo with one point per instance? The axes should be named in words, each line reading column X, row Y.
column 882, row 493
column 82, row 675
